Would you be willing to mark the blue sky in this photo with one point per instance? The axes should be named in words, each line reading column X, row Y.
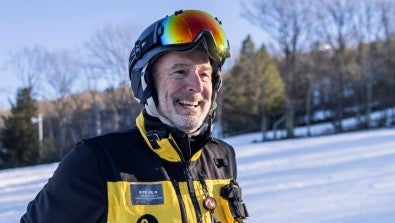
column 56, row 25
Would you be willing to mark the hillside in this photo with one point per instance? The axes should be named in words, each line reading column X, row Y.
column 339, row 178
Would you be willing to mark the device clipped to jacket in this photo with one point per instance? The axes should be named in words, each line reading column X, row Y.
column 232, row 193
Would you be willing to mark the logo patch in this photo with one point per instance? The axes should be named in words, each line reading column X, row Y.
column 147, row 218
column 146, row 194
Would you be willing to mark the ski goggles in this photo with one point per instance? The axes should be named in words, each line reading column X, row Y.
column 188, row 26
column 182, row 31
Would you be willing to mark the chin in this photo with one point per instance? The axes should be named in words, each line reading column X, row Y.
column 188, row 126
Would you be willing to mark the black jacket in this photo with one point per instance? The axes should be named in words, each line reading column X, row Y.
column 151, row 173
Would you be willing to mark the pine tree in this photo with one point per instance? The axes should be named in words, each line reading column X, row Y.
column 19, row 136
column 254, row 90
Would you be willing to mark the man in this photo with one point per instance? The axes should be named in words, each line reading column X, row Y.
column 168, row 168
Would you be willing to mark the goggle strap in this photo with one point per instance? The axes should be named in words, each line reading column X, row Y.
column 142, row 46
column 146, row 94
column 146, row 85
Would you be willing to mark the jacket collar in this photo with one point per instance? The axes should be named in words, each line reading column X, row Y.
column 170, row 143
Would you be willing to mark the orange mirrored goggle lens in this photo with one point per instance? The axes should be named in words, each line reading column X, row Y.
column 185, row 27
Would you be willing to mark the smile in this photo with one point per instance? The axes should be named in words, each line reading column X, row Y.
column 188, row 103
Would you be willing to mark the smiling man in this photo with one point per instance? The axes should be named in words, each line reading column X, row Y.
column 184, row 86
column 169, row 168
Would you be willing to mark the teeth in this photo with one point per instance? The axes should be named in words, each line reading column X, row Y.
column 190, row 103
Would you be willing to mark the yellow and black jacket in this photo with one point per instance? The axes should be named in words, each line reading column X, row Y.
column 151, row 173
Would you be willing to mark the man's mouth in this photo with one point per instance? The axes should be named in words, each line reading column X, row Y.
column 188, row 103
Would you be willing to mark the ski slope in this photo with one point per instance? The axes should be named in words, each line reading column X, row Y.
column 339, row 178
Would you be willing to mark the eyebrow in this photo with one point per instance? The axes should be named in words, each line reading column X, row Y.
column 178, row 65
column 185, row 65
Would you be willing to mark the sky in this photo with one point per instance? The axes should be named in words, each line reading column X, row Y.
column 340, row 178
column 57, row 25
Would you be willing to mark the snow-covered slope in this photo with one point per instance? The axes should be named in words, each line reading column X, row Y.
column 339, row 178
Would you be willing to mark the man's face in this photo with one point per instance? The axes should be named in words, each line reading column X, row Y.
column 184, row 86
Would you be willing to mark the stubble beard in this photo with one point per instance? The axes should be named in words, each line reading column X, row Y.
column 187, row 121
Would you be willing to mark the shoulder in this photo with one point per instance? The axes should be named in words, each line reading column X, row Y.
column 114, row 142
column 114, row 150
column 220, row 158
column 112, row 138
column 222, row 145
column 219, row 149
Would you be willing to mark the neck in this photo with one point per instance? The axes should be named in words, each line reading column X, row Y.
column 152, row 111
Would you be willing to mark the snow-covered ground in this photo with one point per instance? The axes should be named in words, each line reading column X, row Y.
column 339, row 178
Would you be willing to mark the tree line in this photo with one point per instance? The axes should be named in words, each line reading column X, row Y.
column 323, row 61
column 335, row 57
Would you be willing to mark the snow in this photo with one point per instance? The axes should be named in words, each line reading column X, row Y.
column 339, row 178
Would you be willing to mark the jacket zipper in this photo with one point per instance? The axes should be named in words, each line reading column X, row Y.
column 191, row 188
column 180, row 201
column 192, row 194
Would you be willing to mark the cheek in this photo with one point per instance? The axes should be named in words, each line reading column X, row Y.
column 208, row 91
column 165, row 89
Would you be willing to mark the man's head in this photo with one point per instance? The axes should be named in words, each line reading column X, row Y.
column 189, row 44
column 183, row 81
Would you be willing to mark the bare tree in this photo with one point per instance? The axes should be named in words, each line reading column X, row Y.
column 286, row 22
column 369, row 32
column 28, row 64
column 386, row 11
column 108, row 52
column 334, row 26
column 61, row 73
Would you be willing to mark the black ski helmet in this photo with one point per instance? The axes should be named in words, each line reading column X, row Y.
column 182, row 31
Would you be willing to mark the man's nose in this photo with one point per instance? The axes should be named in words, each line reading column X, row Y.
column 194, row 82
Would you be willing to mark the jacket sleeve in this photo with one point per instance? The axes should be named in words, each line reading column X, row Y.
column 75, row 193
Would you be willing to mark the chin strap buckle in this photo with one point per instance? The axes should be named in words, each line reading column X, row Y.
column 156, row 135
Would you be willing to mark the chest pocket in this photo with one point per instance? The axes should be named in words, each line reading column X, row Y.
column 148, row 202
column 153, row 202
